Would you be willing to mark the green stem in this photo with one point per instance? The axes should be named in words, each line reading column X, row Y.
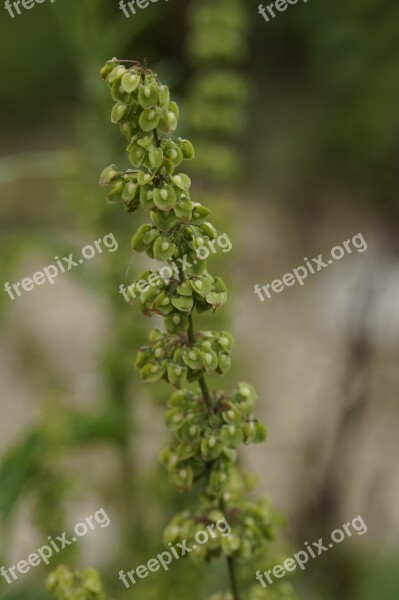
column 207, row 397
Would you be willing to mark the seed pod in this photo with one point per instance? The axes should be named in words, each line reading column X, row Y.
column 116, row 73
column 163, row 249
column 130, row 81
column 199, row 213
column 167, row 168
column 118, row 94
column 231, row 415
column 144, row 178
column 211, row 447
column 152, row 372
column 187, row 149
column 183, row 303
column 193, row 358
column 164, row 95
column 231, row 436
column 230, row 543
column 106, row 69
column 108, row 175
column 163, row 304
column 216, row 299
column 209, row 230
column 118, row 112
column 148, row 95
column 165, row 221
column 136, row 154
column 184, row 289
column 149, row 119
column 182, row 181
column 115, row 194
column 201, row 286
column 177, row 375
column 165, row 198
column 174, row 154
column 182, row 477
column 254, row 432
column 224, row 363
column 137, row 240
column 210, row 360
column 168, row 121
column 130, row 191
column 225, row 341
column 155, row 156
column 176, row 323
column 174, row 418
column 147, row 197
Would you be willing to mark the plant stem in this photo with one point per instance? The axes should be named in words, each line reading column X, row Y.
column 207, row 397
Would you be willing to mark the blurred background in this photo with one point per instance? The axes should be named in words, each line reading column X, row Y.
column 296, row 127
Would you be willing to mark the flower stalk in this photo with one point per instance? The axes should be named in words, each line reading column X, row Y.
column 208, row 427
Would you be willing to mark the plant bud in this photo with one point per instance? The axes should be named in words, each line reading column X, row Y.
column 187, row 149
column 116, row 73
column 118, row 112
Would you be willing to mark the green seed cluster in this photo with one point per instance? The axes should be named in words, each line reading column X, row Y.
column 75, row 585
column 177, row 360
column 208, row 427
column 206, row 438
column 176, row 300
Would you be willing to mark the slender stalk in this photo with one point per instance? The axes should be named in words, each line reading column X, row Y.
column 207, row 397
